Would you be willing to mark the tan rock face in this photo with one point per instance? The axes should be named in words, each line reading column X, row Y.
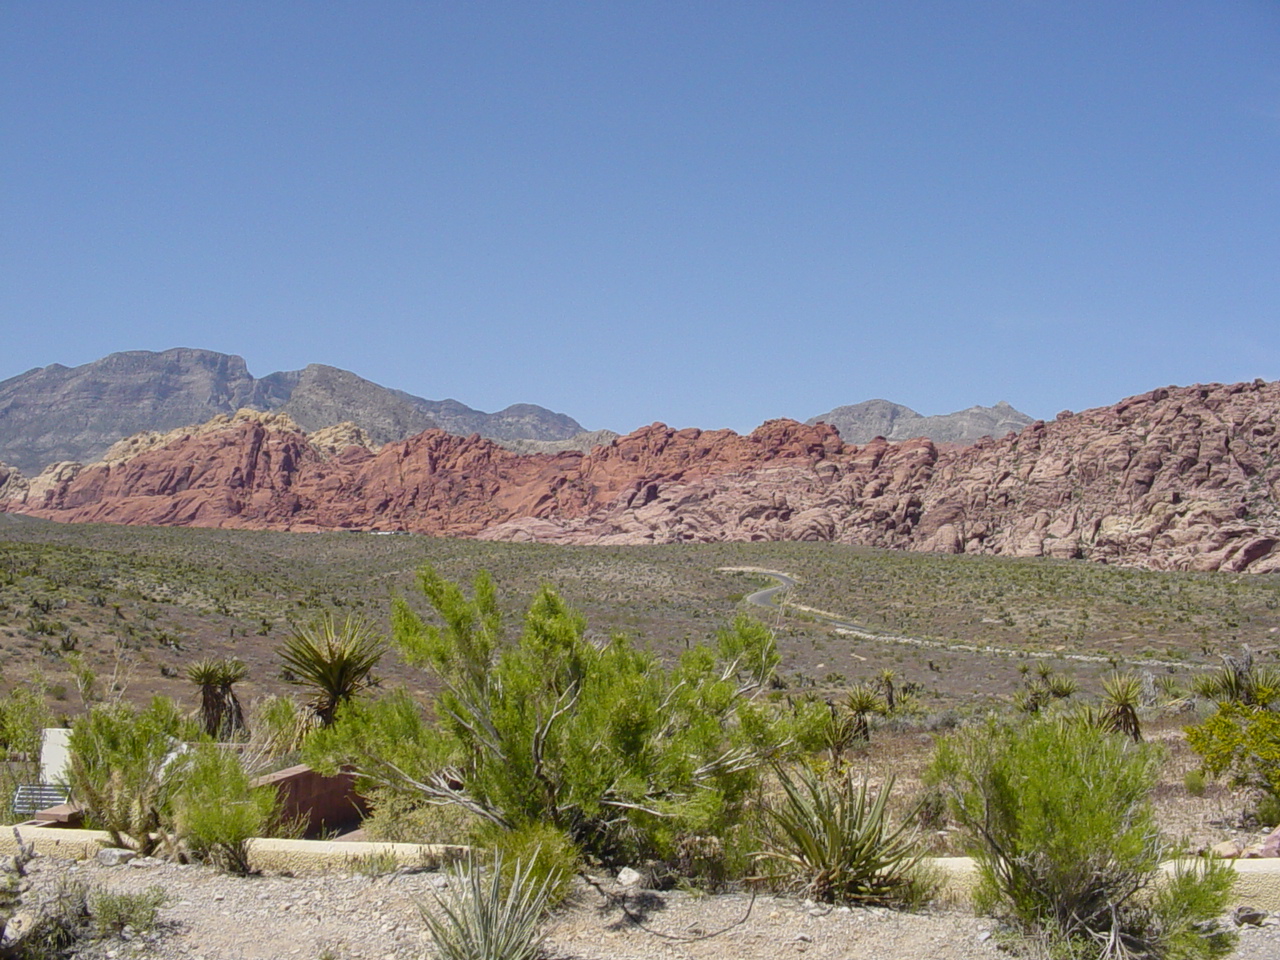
column 1180, row 478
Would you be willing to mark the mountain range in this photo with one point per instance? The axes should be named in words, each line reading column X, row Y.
column 863, row 422
column 75, row 414
column 57, row 413
column 1183, row 478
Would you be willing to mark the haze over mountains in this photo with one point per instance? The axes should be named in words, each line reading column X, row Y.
column 58, row 414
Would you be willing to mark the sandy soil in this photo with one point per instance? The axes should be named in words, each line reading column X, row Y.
column 211, row 916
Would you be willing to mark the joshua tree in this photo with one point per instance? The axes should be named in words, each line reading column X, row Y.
column 220, row 711
column 335, row 660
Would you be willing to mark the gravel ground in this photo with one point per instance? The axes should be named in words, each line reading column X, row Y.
column 211, row 916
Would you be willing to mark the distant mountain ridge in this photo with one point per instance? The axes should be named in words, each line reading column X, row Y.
column 58, row 413
column 863, row 422
column 1180, row 478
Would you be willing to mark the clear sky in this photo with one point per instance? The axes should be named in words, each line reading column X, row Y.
column 705, row 213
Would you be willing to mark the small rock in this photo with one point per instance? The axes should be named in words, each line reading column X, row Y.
column 1251, row 916
column 629, row 877
column 19, row 925
column 115, row 856
column 1227, row 849
column 146, row 862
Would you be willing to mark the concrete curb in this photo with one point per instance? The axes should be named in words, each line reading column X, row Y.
column 279, row 856
column 1257, row 883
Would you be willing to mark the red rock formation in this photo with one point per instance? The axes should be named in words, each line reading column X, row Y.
column 1179, row 478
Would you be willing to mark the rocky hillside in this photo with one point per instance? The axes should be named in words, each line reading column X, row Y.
column 863, row 422
column 1179, row 478
column 58, row 413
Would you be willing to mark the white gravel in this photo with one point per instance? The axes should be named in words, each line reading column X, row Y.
column 211, row 916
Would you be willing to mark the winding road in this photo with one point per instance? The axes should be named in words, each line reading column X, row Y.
column 768, row 598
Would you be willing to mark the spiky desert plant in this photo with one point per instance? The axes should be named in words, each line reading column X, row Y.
column 863, row 701
column 220, row 712
column 335, row 660
column 1240, row 680
column 489, row 915
column 836, row 844
column 1121, row 696
column 886, row 679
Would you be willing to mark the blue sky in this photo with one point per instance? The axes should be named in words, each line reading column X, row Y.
column 703, row 213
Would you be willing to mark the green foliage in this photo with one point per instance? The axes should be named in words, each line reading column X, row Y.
column 220, row 710
column 216, row 812
column 489, row 917
column 1044, row 689
column 863, row 702
column 1060, row 820
column 545, row 855
column 1242, row 742
column 114, row 912
column 401, row 817
column 280, row 725
column 1267, row 811
column 1195, row 782
column 1122, row 695
column 23, row 717
column 334, row 660
column 834, row 843
column 1240, row 681
column 599, row 740
column 125, row 765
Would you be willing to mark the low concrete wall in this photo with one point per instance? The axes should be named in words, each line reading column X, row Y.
column 279, row 856
column 323, row 856
column 1257, row 883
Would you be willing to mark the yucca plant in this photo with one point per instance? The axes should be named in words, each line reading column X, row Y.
column 220, row 712
column 1122, row 694
column 886, row 680
column 834, row 843
column 489, row 915
column 863, row 701
column 335, row 660
column 1239, row 680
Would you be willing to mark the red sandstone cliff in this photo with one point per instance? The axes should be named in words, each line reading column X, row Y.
column 1177, row 478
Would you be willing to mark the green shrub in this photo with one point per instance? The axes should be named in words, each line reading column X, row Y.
column 1195, row 782
column 484, row 917
column 216, row 812
column 1267, row 811
column 548, row 857
column 1243, row 742
column 113, row 912
column 834, row 843
column 220, row 710
column 399, row 817
column 125, row 765
column 1059, row 818
column 600, row 740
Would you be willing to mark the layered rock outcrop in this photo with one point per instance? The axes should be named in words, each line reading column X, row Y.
column 1179, row 478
